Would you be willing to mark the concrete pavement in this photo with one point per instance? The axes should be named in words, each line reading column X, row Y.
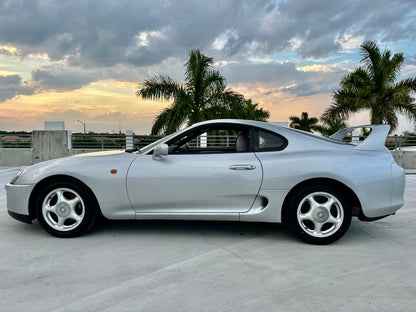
column 208, row 266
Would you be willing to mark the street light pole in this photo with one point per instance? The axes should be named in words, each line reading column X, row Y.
column 83, row 123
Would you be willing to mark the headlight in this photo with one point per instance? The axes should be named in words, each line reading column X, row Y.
column 16, row 177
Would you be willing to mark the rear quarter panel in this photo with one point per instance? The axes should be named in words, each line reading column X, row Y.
column 367, row 173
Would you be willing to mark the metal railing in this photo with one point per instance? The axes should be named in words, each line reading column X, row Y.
column 118, row 141
column 213, row 141
column 393, row 142
column 398, row 141
column 110, row 141
column 143, row 140
column 94, row 141
column 16, row 141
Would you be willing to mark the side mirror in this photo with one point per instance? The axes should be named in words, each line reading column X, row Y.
column 160, row 151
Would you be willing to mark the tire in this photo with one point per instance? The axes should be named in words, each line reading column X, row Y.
column 319, row 214
column 66, row 208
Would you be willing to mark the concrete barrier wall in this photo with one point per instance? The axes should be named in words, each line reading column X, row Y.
column 405, row 159
column 49, row 144
column 14, row 157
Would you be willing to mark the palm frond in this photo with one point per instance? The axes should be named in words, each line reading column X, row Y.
column 160, row 123
column 172, row 117
column 196, row 67
column 409, row 83
column 159, row 87
column 371, row 55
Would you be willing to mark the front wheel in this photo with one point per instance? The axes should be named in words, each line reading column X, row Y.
column 319, row 214
column 66, row 209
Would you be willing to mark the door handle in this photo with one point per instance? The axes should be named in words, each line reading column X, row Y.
column 242, row 167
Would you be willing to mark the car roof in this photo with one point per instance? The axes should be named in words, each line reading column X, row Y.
column 271, row 127
column 255, row 123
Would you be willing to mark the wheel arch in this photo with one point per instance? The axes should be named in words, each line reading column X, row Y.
column 48, row 180
column 349, row 194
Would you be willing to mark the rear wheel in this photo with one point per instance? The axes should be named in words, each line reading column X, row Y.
column 66, row 208
column 319, row 214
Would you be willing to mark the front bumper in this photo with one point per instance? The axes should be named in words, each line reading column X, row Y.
column 18, row 201
column 19, row 217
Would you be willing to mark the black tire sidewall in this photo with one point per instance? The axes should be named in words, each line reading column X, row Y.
column 297, row 229
column 89, row 207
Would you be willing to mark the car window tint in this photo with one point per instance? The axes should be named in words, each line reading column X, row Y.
column 268, row 141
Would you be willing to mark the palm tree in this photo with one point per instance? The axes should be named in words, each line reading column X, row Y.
column 238, row 109
column 373, row 87
column 202, row 96
column 250, row 110
column 304, row 122
column 330, row 126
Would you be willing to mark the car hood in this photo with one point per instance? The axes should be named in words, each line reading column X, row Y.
column 101, row 153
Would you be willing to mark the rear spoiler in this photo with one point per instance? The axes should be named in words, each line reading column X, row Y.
column 374, row 142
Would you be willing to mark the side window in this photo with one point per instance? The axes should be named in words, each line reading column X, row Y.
column 268, row 141
column 215, row 139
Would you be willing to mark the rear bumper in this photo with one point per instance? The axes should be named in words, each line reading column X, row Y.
column 382, row 194
column 398, row 187
column 18, row 201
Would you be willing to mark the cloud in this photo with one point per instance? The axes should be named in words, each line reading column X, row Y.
column 316, row 25
column 12, row 85
column 58, row 77
column 87, row 34
column 104, row 33
column 285, row 77
column 409, row 71
column 10, row 51
column 111, row 116
column 317, row 68
column 46, row 78
column 276, row 73
column 410, row 59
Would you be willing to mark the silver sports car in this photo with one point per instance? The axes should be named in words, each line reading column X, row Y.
column 235, row 170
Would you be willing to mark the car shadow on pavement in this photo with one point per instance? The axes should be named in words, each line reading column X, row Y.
column 179, row 227
column 224, row 230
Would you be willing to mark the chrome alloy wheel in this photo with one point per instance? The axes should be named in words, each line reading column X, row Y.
column 320, row 214
column 63, row 209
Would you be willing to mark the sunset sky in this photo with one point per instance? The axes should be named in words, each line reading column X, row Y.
column 83, row 59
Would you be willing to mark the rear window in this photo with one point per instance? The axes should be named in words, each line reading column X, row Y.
column 268, row 141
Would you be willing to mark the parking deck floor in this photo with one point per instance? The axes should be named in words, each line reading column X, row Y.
column 208, row 266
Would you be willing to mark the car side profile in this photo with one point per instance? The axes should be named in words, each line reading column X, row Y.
column 236, row 170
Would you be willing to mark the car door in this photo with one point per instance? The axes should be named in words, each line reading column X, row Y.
column 205, row 180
